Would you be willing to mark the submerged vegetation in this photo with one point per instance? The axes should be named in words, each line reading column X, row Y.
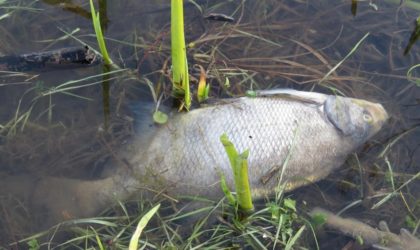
column 271, row 44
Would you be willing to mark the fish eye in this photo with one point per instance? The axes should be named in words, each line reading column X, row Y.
column 367, row 117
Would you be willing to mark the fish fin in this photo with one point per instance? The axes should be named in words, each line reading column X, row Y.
column 303, row 96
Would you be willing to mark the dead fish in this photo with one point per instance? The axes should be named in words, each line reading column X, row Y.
column 316, row 132
column 379, row 239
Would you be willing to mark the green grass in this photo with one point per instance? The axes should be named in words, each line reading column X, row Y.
column 272, row 225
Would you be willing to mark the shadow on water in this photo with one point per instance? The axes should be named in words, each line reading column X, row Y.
column 75, row 132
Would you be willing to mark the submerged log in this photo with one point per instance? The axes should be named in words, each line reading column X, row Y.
column 74, row 56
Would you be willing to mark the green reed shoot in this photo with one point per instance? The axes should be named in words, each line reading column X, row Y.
column 239, row 164
column 99, row 36
column 180, row 77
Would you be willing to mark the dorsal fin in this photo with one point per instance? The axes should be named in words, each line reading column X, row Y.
column 308, row 97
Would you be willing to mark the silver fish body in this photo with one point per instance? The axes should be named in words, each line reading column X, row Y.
column 315, row 132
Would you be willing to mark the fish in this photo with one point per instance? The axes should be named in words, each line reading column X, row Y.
column 380, row 238
column 294, row 138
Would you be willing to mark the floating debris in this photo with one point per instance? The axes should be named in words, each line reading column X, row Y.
column 219, row 17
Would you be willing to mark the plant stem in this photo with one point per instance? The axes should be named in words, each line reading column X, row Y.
column 99, row 35
column 180, row 75
column 239, row 164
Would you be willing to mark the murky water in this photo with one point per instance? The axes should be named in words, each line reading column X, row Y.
column 74, row 132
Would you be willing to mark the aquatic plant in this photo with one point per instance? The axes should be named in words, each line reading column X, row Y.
column 99, row 35
column 180, row 77
column 203, row 87
column 239, row 165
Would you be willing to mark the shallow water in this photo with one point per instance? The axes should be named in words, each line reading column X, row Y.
column 272, row 44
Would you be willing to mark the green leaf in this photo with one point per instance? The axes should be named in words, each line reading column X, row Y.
column 99, row 35
column 142, row 224
column 290, row 204
column 33, row 244
column 160, row 117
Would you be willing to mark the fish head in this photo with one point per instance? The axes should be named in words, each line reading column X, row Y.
column 355, row 118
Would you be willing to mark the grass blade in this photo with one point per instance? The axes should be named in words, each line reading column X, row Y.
column 293, row 240
column 142, row 224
